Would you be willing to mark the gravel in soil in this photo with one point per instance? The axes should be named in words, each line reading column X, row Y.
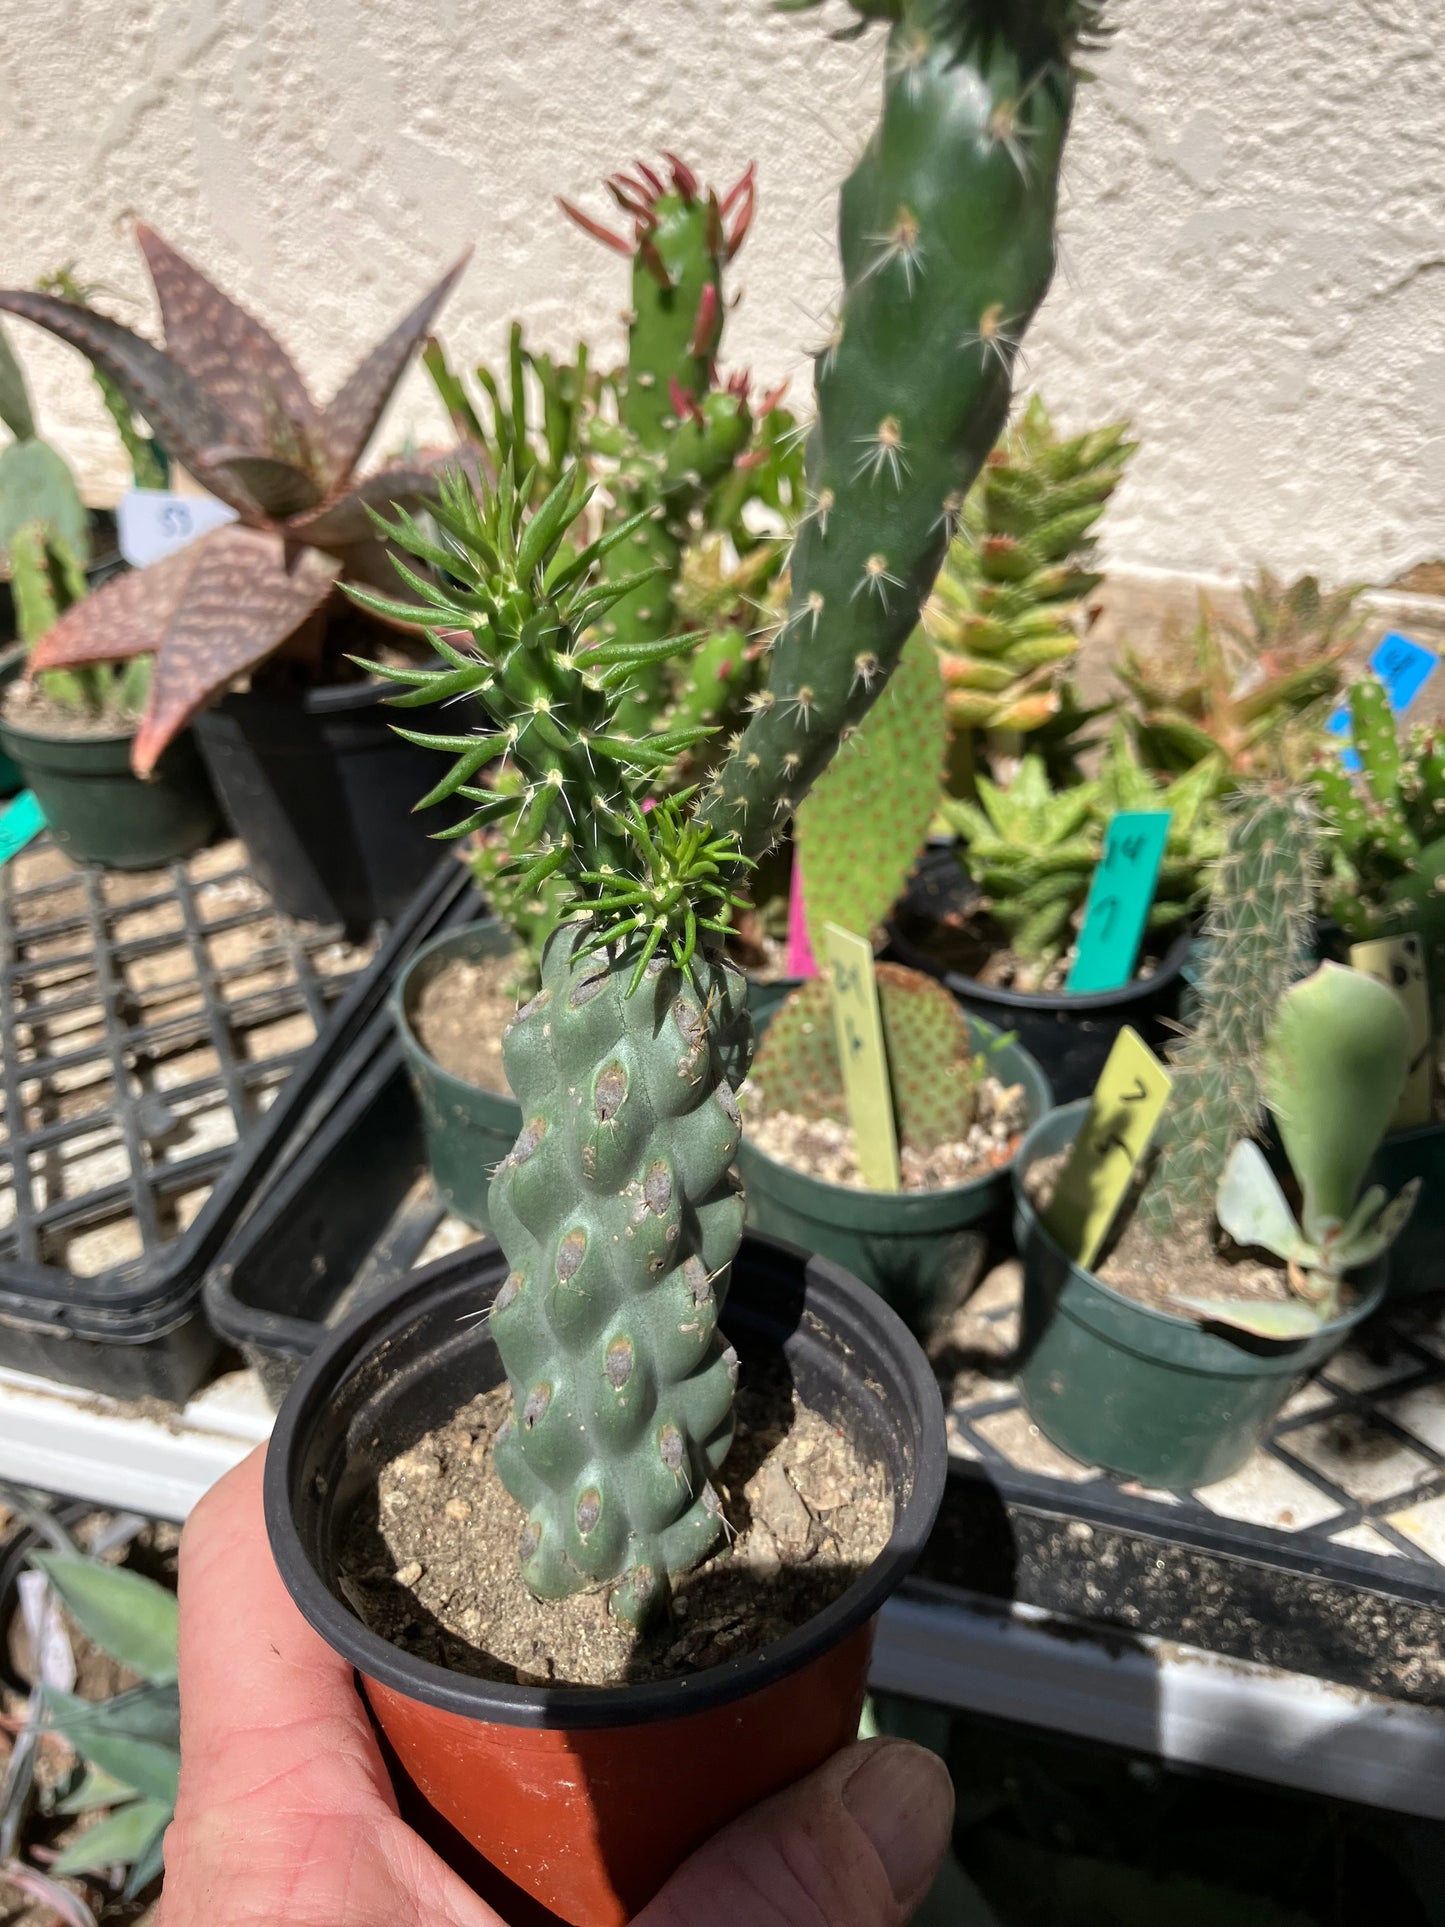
column 824, row 1148
column 1196, row 1260
column 460, row 1012
column 25, row 705
column 430, row 1563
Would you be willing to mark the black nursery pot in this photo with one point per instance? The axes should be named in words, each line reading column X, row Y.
column 12, row 661
column 559, row 1786
column 321, row 790
column 1069, row 1037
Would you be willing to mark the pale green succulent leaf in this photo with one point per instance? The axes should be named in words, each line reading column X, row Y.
column 1293, row 1319
column 129, row 1616
column 1252, row 1208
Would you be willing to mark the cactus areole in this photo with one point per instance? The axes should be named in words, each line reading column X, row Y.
column 615, row 1207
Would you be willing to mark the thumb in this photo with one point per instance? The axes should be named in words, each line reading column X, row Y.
column 856, row 1844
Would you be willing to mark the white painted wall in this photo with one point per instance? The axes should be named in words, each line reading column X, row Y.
column 1254, row 237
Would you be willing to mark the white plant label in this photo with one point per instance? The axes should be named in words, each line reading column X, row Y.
column 152, row 523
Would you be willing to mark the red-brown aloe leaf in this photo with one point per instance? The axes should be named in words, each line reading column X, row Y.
column 347, row 423
column 279, row 489
column 342, row 523
column 231, row 354
column 186, row 418
column 128, row 617
column 247, row 593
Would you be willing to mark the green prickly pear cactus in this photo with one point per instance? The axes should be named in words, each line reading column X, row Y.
column 925, row 1035
column 859, row 832
column 625, row 1069
column 1255, row 937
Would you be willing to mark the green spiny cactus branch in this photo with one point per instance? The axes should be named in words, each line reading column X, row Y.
column 149, row 466
column 1258, row 925
column 615, row 1206
column 947, row 238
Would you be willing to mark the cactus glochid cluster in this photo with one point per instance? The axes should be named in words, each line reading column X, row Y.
column 1255, row 935
column 615, row 1208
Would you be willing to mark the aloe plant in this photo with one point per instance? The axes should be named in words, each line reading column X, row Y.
column 1336, row 1060
column 225, row 400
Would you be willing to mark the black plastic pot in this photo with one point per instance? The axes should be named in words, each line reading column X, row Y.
column 321, row 791
column 559, row 1785
column 922, row 1251
column 99, row 811
column 1148, row 1396
column 1417, row 1257
column 12, row 661
column 468, row 1130
column 1070, row 1037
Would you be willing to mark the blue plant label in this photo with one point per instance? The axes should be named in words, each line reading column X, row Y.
column 1119, row 900
column 23, row 820
column 1404, row 667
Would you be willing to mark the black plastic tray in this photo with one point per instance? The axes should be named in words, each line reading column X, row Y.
column 1344, row 1584
column 158, row 1056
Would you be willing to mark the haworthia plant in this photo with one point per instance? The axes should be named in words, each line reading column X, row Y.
column 225, row 400
column 614, row 1208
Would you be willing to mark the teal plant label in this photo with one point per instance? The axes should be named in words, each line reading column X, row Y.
column 1119, row 900
column 1404, row 667
column 152, row 523
column 858, row 1025
column 23, row 820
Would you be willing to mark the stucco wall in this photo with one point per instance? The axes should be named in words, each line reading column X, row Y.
column 1253, row 242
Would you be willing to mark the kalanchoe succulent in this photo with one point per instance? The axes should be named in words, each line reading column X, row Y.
column 1007, row 612
column 1335, row 1063
column 615, row 1207
column 1385, row 856
column 1255, row 698
column 226, row 402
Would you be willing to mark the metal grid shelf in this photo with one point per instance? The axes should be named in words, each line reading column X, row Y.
column 147, row 1021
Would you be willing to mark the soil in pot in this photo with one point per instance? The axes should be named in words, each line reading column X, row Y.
column 460, row 1012
column 431, row 1563
column 966, row 940
column 25, row 705
column 824, row 1148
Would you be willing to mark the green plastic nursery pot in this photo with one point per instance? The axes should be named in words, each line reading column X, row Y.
column 1142, row 1393
column 1417, row 1257
column 919, row 1250
column 468, row 1130
column 12, row 661
column 99, row 810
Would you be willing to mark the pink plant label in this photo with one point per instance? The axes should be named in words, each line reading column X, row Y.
column 801, row 961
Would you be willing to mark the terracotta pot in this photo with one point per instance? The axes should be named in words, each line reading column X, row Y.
column 588, row 1798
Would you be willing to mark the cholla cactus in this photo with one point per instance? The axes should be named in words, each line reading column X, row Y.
column 1261, row 903
column 1386, row 854
column 615, row 1208
column 1335, row 1063
column 1007, row 612
column 1033, row 850
column 1255, row 700
column 225, row 400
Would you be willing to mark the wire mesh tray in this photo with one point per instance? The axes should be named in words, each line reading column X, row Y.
column 149, row 1024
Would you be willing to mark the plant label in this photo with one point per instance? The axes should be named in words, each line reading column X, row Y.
column 23, row 820
column 1125, row 1110
column 801, row 961
column 1404, row 667
column 152, row 523
column 1399, row 964
column 1119, row 900
column 858, row 1026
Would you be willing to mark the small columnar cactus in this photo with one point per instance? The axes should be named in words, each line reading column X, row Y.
column 1336, row 1059
column 1386, row 854
column 931, row 1067
column 1261, row 904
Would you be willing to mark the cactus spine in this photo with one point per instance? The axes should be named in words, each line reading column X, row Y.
column 614, row 1207
column 1258, row 924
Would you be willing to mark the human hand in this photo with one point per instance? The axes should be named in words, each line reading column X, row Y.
column 286, row 1812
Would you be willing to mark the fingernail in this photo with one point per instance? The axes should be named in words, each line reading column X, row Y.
column 902, row 1798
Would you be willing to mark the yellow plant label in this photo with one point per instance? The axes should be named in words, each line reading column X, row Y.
column 1127, row 1104
column 859, row 1029
column 1399, row 964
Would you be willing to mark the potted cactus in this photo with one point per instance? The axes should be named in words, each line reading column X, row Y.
column 1170, row 1357
column 614, row 1207
column 67, row 734
column 304, row 766
column 1385, row 851
column 998, row 920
